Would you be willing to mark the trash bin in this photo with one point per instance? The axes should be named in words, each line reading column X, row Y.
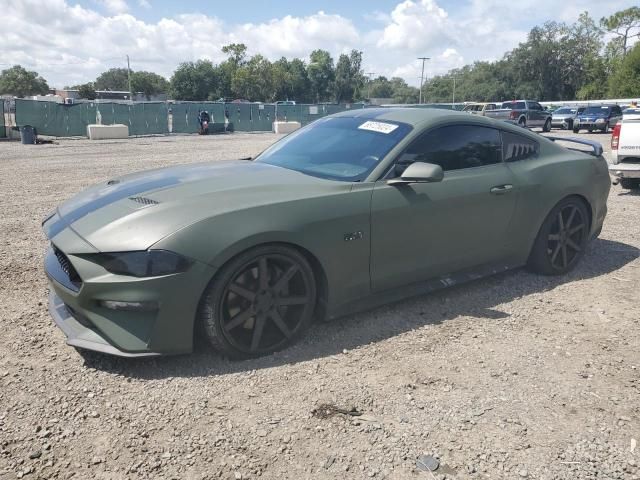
column 27, row 135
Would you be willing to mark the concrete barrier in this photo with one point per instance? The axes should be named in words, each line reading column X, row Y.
column 286, row 127
column 106, row 132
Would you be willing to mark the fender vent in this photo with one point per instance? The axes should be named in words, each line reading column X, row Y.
column 144, row 200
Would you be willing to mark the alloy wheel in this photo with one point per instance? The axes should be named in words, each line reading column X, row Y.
column 263, row 305
column 566, row 237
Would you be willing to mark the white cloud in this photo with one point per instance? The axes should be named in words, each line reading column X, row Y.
column 417, row 25
column 70, row 44
column 115, row 6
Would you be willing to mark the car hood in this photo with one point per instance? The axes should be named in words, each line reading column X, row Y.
column 135, row 211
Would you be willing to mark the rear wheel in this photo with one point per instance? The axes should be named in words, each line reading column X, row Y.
column 260, row 302
column 562, row 238
column 606, row 128
column 547, row 126
column 522, row 122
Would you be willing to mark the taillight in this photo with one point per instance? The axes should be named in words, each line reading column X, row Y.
column 615, row 136
column 513, row 115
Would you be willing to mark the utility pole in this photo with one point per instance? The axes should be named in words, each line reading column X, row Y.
column 129, row 79
column 369, row 85
column 453, row 101
column 422, row 76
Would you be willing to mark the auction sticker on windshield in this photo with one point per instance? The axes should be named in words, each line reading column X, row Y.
column 379, row 127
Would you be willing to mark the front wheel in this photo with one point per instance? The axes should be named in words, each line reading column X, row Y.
column 562, row 238
column 575, row 130
column 547, row 126
column 260, row 302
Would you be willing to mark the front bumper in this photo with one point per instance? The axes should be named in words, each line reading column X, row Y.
column 625, row 170
column 80, row 312
column 560, row 123
column 83, row 336
column 589, row 124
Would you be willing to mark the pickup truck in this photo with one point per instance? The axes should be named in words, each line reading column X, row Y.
column 479, row 108
column 625, row 149
column 525, row 113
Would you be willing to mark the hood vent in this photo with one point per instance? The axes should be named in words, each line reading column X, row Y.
column 144, row 200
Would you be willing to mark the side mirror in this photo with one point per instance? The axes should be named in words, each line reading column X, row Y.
column 419, row 172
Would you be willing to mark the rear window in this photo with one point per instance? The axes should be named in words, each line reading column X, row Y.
column 517, row 147
column 514, row 105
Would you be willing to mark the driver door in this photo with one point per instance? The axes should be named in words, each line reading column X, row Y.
column 424, row 230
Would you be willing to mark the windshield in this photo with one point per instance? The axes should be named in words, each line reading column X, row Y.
column 593, row 110
column 565, row 110
column 337, row 148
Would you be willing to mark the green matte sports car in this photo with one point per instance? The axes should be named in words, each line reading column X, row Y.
column 354, row 210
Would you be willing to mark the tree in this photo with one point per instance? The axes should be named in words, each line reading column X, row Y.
column 20, row 82
column 348, row 77
column 625, row 82
column 148, row 83
column 87, row 91
column 194, row 81
column 113, row 79
column 625, row 24
column 237, row 52
column 290, row 80
column 321, row 74
column 253, row 80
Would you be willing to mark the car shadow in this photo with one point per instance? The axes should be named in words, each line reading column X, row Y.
column 473, row 299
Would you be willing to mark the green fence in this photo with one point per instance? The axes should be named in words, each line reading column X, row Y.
column 55, row 119
column 2, row 122
column 141, row 118
column 146, row 118
column 184, row 116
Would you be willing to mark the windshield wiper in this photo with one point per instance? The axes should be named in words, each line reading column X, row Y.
column 246, row 158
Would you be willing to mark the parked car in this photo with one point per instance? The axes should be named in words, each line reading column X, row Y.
column 285, row 102
column 526, row 113
column 625, row 149
column 354, row 210
column 598, row 117
column 564, row 117
column 479, row 108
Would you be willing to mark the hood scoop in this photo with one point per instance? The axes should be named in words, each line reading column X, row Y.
column 144, row 201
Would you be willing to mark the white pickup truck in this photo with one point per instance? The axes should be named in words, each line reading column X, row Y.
column 625, row 149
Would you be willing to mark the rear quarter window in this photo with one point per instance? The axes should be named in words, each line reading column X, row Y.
column 518, row 147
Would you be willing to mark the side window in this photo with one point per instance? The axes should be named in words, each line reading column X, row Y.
column 535, row 106
column 517, row 147
column 455, row 147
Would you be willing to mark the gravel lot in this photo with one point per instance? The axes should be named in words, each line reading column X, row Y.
column 515, row 376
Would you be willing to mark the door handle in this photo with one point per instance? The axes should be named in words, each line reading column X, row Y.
column 501, row 189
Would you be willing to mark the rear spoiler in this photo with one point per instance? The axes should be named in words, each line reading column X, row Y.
column 596, row 147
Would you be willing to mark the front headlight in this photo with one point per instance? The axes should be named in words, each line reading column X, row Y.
column 600, row 120
column 148, row 263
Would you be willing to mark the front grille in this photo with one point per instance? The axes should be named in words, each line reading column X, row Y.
column 67, row 267
column 630, row 160
column 144, row 200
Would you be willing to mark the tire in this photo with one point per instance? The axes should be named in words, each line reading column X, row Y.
column 606, row 128
column 629, row 183
column 570, row 126
column 590, row 129
column 576, row 130
column 547, row 126
column 270, row 294
column 522, row 122
column 556, row 249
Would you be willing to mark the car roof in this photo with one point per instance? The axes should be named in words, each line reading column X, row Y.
column 416, row 116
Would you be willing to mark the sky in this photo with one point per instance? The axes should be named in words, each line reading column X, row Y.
column 71, row 42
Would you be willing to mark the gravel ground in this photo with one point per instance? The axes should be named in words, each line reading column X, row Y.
column 514, row 376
